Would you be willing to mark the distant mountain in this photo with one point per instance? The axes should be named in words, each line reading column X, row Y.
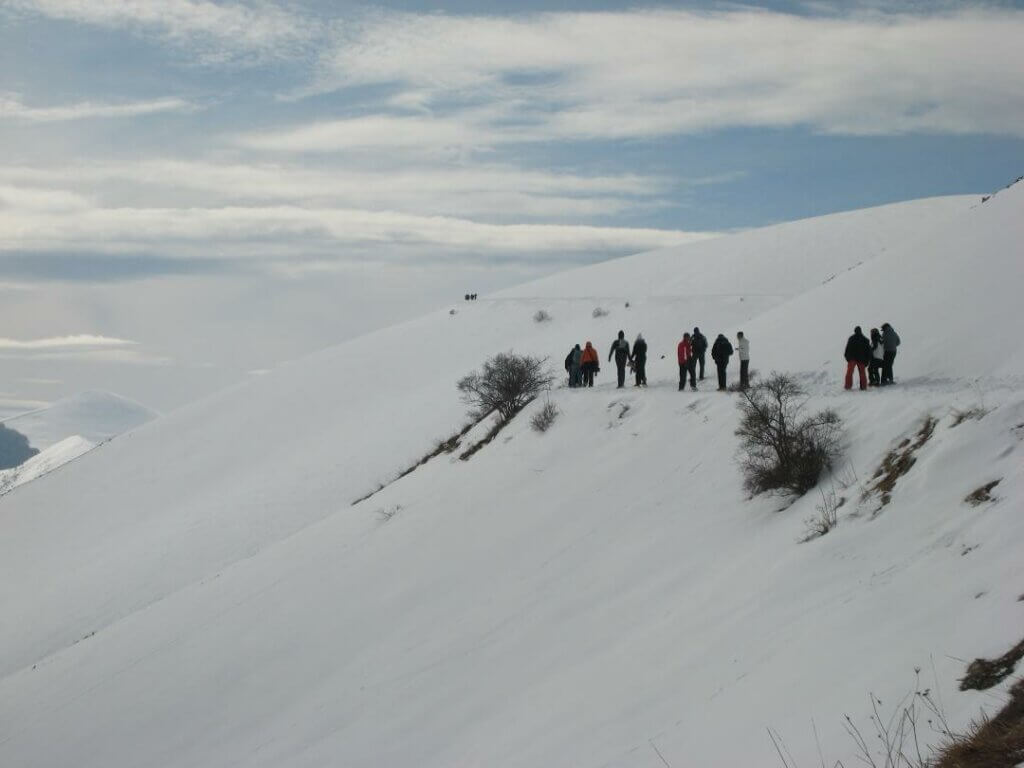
column 93, row 416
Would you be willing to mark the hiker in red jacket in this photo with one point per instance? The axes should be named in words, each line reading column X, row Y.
column 687, row 363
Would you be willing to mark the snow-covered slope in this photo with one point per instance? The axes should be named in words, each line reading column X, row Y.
column 201, row 592
column 93, row 416
column 58, row 454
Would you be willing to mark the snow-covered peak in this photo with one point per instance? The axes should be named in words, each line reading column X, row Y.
column 94, row 416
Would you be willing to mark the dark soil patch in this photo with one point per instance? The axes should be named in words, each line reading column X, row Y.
column 899, row 461
column 996, row 742
column 982, row 674
column 980, row 495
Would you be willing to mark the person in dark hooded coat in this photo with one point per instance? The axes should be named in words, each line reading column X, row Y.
column 721, row 351
column 858, row 355
column 640, row 360
column 700, row 348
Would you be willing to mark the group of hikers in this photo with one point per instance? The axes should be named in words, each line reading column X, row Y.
column 875, row 355
column 871, row 358
column 583, row 364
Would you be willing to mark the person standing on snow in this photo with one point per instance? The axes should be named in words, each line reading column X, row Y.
column 640, row 360
column 877, row 356
column 721, row 351
column 687, row 362
column 620, row 349
column 700, row 347
column 858, row 355
column 575, row 361
column 743, row 347
column 890, row 341
column 589, row 364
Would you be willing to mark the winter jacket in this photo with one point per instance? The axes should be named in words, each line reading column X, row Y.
column 721, row 350
column 699, row 342
column 568, row 360
column 858, row 349
column 890, row 339
column 589, row 355
column 744, row 348
column 684, row 351
column 640, row 350
column 619, row 348
column 877, row 348
column 576, row 357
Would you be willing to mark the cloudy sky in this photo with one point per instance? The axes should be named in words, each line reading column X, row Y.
column 191, row 191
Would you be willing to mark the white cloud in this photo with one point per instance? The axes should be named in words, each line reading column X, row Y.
column 259, row 228
column 11, row 107
column 63, row 343
column 465, row 190
column 646, row 73
column 217, row 32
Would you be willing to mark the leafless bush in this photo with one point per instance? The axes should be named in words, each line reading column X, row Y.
column 541, row 316
column 506, row 383
column 781, row 448
column 899, row 738
column 545, row 417
column 826, row 514
column 599, row 312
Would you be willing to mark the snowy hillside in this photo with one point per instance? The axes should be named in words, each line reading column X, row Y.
column 202, row 592
column 56, row 455
column 93, row 416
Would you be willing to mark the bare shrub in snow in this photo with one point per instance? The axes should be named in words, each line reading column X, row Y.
column 826, row 515
column 506, row 383
column 782, row 449
column 900, row 737
column 545, row 417
column 599, row 312
column 541, row 316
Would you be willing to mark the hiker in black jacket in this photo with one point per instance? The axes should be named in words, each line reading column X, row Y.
column 858, row 355
column 620, row 349
column 721, row 351
column 700, row 348
column 640, row 360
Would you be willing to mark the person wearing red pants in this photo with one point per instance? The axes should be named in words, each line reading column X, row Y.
column 858, row 355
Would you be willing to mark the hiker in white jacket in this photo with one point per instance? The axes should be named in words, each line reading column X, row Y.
column 743, row 347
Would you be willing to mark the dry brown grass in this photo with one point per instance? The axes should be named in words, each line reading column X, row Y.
column 985, row 673
column 996, row 742
column 982, row 494
column 898, row 462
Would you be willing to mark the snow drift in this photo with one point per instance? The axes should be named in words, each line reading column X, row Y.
column 201, row 591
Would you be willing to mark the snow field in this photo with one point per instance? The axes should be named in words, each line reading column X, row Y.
column 562, row 599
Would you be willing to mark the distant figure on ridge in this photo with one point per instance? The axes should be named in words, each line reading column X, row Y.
column 890, row 341
column 743, row 348
column 877, row 356
column 640, row 360
column 620, row 349
column 721, row 351
column 700, row 347
column 590, row 364
column 687, row 363
column 858, row 355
